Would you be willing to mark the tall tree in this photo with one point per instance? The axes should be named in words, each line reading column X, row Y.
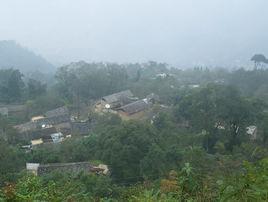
column 35, row 88
column 219, row 106
column 258, row 59
column 11, row 85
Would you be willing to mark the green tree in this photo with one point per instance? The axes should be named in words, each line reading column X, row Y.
column 90, row 81
column 217, row 106
column 259, row 58
column 11, row 160
column 154, row 164
column 35, row 88
column 123, row 147
column 11, row 85
column 251, row 185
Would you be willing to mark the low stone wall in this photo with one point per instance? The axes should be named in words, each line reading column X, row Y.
column 65, row 167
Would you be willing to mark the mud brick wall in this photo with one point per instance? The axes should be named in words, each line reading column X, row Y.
column 65, row 167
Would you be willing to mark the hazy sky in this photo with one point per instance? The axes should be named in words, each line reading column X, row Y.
column 180, row 32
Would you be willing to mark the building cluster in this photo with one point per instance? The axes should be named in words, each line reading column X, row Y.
column 56, row 125
column 52, row 127
column 125, row 104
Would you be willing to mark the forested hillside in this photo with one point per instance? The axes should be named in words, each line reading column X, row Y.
column 12, row 55
column 202, row 136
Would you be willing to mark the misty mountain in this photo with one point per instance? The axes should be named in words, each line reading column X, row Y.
column 13, row 55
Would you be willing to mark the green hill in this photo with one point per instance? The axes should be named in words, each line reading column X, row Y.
column 13, row 55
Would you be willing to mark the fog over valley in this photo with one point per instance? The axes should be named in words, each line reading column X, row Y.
column 133, row 100
column 183, row 33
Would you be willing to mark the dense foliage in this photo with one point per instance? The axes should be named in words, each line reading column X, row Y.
column 195, row 146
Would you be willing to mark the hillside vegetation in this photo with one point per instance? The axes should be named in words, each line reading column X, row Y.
column 193, row 145
column 12, row 55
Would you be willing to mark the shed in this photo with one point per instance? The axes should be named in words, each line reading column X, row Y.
column 32, row 167
column 36, row 118
column 37, row 142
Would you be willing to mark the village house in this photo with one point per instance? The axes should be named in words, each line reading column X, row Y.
column 48, row 138
column 75, row 168
column 137, row 109
column 54, row 121
column 53, row 127
column 55, row 117
column 126, row 105
column 134, row 109
column 57, row 112
column 61, row 121
column 115, row 100
column 29, row 131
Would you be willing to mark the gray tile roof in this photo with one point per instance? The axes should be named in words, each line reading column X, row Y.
column 54, row 120
column 25, row 127
column 122, row 96
column 135, row 107
column 57, row 112
column 81, row 128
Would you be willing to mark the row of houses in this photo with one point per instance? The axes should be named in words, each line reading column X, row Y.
column 52, row 127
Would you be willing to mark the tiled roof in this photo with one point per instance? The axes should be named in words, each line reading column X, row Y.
column 118, row 97
column 135, row 107
column 57, row 112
